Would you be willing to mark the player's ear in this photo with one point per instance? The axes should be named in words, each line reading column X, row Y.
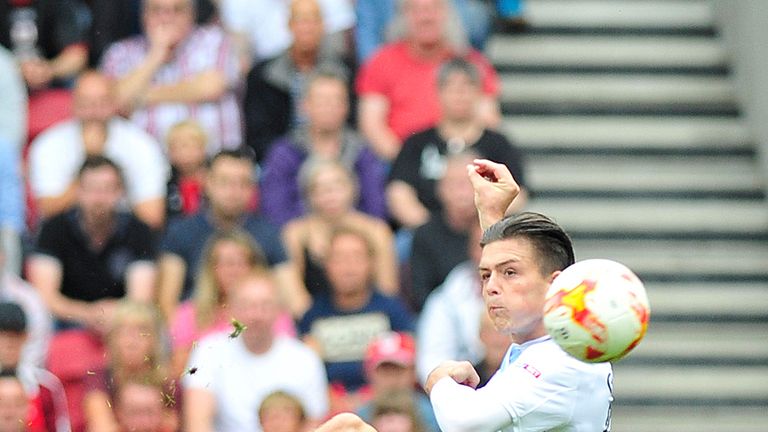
column 554, row 275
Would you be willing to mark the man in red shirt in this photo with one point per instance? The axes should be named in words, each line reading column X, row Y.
column 398, row 85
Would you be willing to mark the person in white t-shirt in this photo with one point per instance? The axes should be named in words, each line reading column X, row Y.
column 96, row 129
column 229, row 374
column 538, row 387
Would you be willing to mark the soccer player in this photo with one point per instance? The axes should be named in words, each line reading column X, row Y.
column 538, row 386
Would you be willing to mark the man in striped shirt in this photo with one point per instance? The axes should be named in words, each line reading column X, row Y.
column 177, row 71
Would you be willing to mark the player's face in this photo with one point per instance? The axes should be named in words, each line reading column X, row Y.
column 514, row 287
column 230, row 186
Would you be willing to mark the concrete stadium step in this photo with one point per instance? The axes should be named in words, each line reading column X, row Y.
column 703, row 342
column 691, row 385
column 689, row 419
column 621, row 93
column 683, row 174
column 619, row 14
column 684, row 135
column 733, row 299
column 683, row 260
column 553, row 52
column 668, row 217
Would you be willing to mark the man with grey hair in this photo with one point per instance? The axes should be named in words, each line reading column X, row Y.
column 177, row 71
column 398, row 95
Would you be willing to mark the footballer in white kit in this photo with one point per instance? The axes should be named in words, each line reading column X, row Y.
column 539, row 387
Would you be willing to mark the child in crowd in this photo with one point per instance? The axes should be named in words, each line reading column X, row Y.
column 186, row 146
column 282, row 412
column 135, row 351
column 396, row 412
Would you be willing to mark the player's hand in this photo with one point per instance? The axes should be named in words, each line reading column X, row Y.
column 460, row 371
column 345, row 422
column 495, row 189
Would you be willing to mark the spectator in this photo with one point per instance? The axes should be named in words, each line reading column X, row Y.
column 397, row 86
column 14, row 404
column 228, row 257
column 139, row 406
column 135, row 351
column 11, row 208
column 186, row 144
column 40, row 326
column 411, row 191
column 326, row 136
column 342, row 323
column 375, row 17
column 177, row 71
column 13, row 111
column 441, row 243
column 48, row 403
column 276, row 86
column 272, row 35
column 92, row 255
column 448, row 327
column 396, row 412
column 282, row 412
column 96, row 130
column 390, row 367
column 235, row 372
column 48, row 38
column 229, row 187
column 329, row 189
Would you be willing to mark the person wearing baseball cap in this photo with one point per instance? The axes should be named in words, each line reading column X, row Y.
column 390, row 368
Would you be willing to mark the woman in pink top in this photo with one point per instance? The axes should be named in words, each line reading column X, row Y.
column 227, row 258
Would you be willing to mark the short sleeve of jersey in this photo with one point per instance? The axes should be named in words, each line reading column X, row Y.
column 536, row 396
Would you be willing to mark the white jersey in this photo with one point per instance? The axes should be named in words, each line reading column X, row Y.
column 538, row 388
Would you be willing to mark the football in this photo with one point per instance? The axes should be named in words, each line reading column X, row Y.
column 597, row 310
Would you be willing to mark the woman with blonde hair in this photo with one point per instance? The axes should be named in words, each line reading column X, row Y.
column 228, row 257
column 135, row 349
column 330, row 190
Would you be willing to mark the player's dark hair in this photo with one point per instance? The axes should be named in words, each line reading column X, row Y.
column 551, row 242
column 98, row 161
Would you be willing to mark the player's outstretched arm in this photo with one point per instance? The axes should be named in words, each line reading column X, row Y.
column 345, row 422
column 495, row 189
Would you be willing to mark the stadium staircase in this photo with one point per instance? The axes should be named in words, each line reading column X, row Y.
column 637, row 145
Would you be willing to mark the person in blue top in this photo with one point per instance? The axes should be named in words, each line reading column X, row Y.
column 341, row 324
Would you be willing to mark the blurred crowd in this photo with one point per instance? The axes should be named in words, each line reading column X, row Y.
column 241, row 215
